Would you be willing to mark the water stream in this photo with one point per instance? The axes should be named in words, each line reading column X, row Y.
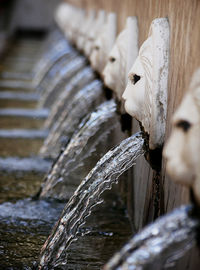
column 82, row 103
column 101, row 177
column 54, row 70
column 63, row 76
column 82, row 153
column 78, row 81
column 159, row 245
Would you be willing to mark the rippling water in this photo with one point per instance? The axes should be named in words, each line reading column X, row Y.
column 24, row 225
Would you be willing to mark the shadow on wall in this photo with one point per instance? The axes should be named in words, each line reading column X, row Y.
column 33, row 14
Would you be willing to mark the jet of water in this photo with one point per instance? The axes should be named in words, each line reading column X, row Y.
column 78, row 81
column 160, row 244
column 101, row 177
column 82, row 103
column 71, row 166
column 63, row 76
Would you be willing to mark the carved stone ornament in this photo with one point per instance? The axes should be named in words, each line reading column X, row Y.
column 146, row 92
column 182, row 151
column 104, row 42
column 85, row 26
column 93, row 32
column 61, row 14
column 122, row 57
column 73, row 30
column 68, row 19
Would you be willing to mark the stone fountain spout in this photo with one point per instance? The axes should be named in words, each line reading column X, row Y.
column 146, row 92
column 182, row 151
column 103, row 43
column 121, row 58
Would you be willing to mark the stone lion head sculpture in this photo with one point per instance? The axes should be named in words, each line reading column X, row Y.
column 62, row 14
column 85, row 27
column 146, row 92
column 73, row 30
column 121, row 58
column 93, row 32
column 103, row 43
column 182, row 150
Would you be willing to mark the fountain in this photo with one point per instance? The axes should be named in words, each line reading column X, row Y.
column 78, row 158
column 78, row 81
column 93, row 32
column 121, row 58
column 103, row 43
column 182, row 149
column 101, row 177
column 50, row 56
column 83, row 102
column 163, row 243
column 81, row 123
column 160, row 244
column 146, row 93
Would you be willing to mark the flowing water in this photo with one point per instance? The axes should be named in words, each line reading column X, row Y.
column 25, row 222
column 63, row 76
column 80, row 80
column 54, row 70
column 60, row 49
column 101, row 177
column 82, row 153
column 82, row 103
column 160, row 244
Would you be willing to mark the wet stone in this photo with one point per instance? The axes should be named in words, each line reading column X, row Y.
column 18, row 100
column 21, row 143
column 22, row 118
column 21, row 178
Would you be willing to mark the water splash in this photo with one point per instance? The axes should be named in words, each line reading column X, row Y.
column 81, row 79
column 160, row 244
column 72, row 166
column 87, row 195
column 82, row 103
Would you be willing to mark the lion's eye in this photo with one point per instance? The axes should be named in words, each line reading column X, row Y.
column 112, row 59
column 135, row 78
column 184, row 125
